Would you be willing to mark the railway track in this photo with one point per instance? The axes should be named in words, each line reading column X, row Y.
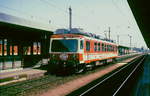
column 23, row 88
column 117, row 83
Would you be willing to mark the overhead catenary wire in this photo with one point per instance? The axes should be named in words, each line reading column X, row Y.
column 120, row 11
column 65, row 12
column 26, row 14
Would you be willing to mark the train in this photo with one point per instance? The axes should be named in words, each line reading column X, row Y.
column 76, row 51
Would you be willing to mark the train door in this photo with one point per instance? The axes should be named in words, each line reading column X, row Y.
column 81, row 50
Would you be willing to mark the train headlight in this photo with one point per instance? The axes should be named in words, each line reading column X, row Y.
column 63, row 56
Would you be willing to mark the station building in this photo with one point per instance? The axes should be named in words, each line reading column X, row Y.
column 23, row 43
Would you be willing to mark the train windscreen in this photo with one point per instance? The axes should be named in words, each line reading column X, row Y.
column 64, row 45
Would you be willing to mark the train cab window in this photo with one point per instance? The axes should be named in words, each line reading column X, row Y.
column 99, row 47
column 87, row 46
column 81, row 44
column 65, row 45
column 95, row 46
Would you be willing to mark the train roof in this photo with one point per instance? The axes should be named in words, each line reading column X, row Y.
column 71, row 35
column 80, row 31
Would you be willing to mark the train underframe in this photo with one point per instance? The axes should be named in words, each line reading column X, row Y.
column 70, row 67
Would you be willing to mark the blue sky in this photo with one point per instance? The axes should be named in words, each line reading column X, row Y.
column 93, row 16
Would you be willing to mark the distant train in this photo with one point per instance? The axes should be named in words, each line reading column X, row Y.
column 76, row 52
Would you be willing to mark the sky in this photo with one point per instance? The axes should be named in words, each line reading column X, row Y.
column 94, row 16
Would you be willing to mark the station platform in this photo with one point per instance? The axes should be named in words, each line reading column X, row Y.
column 20, row 74
column 143, row 85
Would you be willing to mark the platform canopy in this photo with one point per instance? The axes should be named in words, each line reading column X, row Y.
column 141, row 11
column 22, row 29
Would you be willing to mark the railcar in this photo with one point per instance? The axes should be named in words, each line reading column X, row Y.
column 77, row 52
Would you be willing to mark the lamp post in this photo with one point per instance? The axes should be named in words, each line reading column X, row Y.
column 118, row 39
column 70, row 18
column 105, row 32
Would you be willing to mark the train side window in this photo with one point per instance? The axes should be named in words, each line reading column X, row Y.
column 113, row 48
column 87, row 46
column 103, row 47
column 116, row 49
column 99, row 47
column 108, row 49
column 95, row 46
column 81, row 44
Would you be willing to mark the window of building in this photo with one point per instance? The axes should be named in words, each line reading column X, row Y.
column 11, row 48
column 0, row 47
column 36, row 48
column 15, row 50
column 39, row 47
column 29, row 50
column 5, row 47
column 35, row 51
column 87, row 46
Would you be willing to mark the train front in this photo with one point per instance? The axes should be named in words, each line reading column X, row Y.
column 64, row 53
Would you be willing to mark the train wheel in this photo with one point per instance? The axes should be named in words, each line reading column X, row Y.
column 79, row 68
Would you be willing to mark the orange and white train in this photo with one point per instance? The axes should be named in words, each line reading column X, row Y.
column 76, row 52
